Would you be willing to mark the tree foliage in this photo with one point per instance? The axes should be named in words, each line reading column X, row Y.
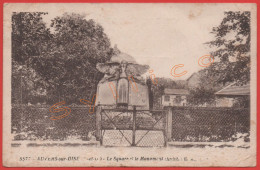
column 63, row 60
column 232, row 48
column 30, row 36
column 204, row 92
column 201, row 95
column 231, row 52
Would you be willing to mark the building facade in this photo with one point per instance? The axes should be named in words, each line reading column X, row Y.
column 174, row 97
column 233, row 95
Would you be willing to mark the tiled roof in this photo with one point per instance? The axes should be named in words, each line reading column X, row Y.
column 235, row 90
column 176, row 91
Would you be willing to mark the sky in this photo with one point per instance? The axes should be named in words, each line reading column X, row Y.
column 159, row 35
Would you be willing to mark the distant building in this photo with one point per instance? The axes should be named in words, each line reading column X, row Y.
column 194, row 80
column 174, row 97
column 228, row 96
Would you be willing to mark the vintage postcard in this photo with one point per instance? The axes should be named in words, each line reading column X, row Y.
column 140, row 85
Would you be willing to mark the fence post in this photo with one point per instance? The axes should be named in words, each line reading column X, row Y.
column 134, row 126
column 98, row 124
column 169, row 123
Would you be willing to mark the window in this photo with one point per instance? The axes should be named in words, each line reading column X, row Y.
column 178, row 99
column 167, row 98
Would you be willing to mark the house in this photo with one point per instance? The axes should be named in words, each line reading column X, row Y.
column 229, row 96
column 174, row 97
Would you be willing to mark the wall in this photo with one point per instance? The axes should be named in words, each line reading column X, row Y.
column 224, row 102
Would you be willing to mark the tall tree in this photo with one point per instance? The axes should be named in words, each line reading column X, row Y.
column 70, row 65
column 58, row 64
column 30, row 38
column 232, row 44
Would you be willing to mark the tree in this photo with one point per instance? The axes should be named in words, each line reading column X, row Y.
column 62, row 63
column 30, row 37
column 232, row 44
column 78, row 45
column 231, row 55
column 201, row 95
column 204, row 92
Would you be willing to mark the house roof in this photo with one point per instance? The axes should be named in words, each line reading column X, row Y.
column 235, row 90
column 176, row 91
column 192, row 75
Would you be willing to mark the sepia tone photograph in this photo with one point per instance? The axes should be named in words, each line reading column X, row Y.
column 129, row 85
